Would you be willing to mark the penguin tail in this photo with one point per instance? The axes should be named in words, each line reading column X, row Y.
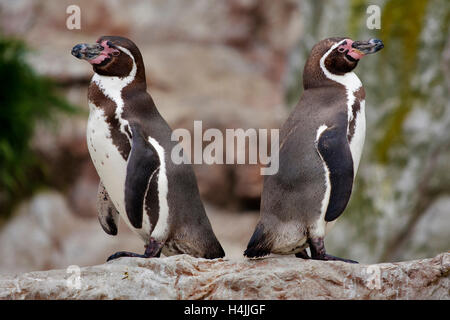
column 212, row 248
column 260, row 244
column 216, row 253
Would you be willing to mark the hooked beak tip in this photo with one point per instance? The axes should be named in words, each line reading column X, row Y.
column 378, row 44
column 76, row 51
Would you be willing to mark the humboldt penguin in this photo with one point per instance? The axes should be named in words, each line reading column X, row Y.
column 320, row 149
column 130, row 145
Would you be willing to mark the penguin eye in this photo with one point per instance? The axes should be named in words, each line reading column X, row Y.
column 341, row 49
column 115, row 53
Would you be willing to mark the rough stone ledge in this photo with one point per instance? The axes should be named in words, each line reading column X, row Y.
column 185, row 277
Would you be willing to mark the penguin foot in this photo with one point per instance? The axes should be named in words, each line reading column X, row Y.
column 152, row 250
column 121, row 254
column 317, row 248
column 302, row 254
column 329, row 257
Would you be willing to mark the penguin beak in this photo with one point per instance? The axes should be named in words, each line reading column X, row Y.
column 367, row 47
column 87, row 51
column 95, row 53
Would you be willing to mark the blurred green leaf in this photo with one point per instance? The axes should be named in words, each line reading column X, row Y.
column 25, row 99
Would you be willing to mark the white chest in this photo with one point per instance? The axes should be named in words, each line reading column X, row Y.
column 109, row 163
column 357, row 141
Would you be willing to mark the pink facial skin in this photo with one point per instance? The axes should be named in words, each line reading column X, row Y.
column 352, row 52
column 104, row 54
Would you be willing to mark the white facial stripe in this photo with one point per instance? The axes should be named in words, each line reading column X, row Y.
column 160, row 231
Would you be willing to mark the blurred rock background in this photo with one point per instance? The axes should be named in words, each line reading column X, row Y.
column 231, row 64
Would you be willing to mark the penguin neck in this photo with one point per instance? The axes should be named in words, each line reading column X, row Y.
column 349, row 80
column 324, row 78
column 112, row 86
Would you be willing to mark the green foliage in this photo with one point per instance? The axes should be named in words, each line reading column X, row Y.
column 25, row 99
column 357, row 15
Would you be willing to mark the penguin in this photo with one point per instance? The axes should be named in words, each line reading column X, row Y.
column 130, row 145
column 320, row 148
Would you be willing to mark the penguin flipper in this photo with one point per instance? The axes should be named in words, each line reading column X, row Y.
column 335, row 151
column 108, row 216
column 143, row 161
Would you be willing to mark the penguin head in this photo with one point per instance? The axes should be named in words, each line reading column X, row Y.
column 112, row 56
column 337, row 56
column 343, row 55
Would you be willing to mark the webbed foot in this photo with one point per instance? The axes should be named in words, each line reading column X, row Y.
column 152, row 250
column 317, row 248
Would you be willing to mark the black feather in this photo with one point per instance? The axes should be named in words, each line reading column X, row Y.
column 142, row 162
column 259, row 244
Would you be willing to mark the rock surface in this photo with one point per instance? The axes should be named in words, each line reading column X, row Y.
column 45, row 234
column 184, row 277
